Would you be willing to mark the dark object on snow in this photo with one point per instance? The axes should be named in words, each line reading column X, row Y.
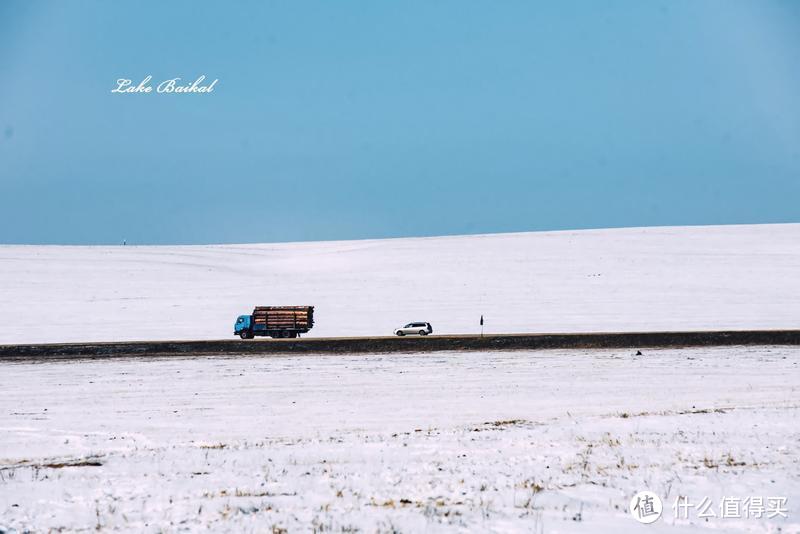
column 638, row 353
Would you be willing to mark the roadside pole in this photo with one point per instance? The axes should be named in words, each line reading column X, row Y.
column 481, row 325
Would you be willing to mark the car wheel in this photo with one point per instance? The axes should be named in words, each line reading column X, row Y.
column 423, row 333
column 401, row 334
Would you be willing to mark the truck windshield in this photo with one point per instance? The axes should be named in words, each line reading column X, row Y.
column 240, row 320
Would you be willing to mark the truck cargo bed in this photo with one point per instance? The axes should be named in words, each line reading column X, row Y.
column 298, row 318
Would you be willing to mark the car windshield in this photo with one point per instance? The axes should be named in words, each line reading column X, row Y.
column 409, row 325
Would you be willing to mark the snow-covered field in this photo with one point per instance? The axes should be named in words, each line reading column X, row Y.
column 546, row 441
column 550, row 441
column 733, row 277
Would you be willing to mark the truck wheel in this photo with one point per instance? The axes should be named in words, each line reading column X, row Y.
column 243, row 335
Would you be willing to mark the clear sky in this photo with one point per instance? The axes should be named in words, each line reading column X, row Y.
column 340, row 120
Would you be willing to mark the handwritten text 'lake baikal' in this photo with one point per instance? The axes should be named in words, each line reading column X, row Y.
column 172, row 85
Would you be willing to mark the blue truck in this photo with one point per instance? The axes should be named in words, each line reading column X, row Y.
column 275, row 321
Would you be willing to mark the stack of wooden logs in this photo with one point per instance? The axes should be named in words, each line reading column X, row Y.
column 283, row 317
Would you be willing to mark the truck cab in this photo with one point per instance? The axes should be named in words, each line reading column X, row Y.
column 242, row 327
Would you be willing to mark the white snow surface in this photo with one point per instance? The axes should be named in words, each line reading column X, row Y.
column 525, row 441
column 637, row 279
column 548, row 441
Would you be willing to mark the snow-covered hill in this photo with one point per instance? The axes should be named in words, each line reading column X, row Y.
column 624, row 279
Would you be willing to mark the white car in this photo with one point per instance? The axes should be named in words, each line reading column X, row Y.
column 422, row 329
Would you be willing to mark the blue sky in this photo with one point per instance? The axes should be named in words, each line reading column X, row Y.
column 339, row 120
